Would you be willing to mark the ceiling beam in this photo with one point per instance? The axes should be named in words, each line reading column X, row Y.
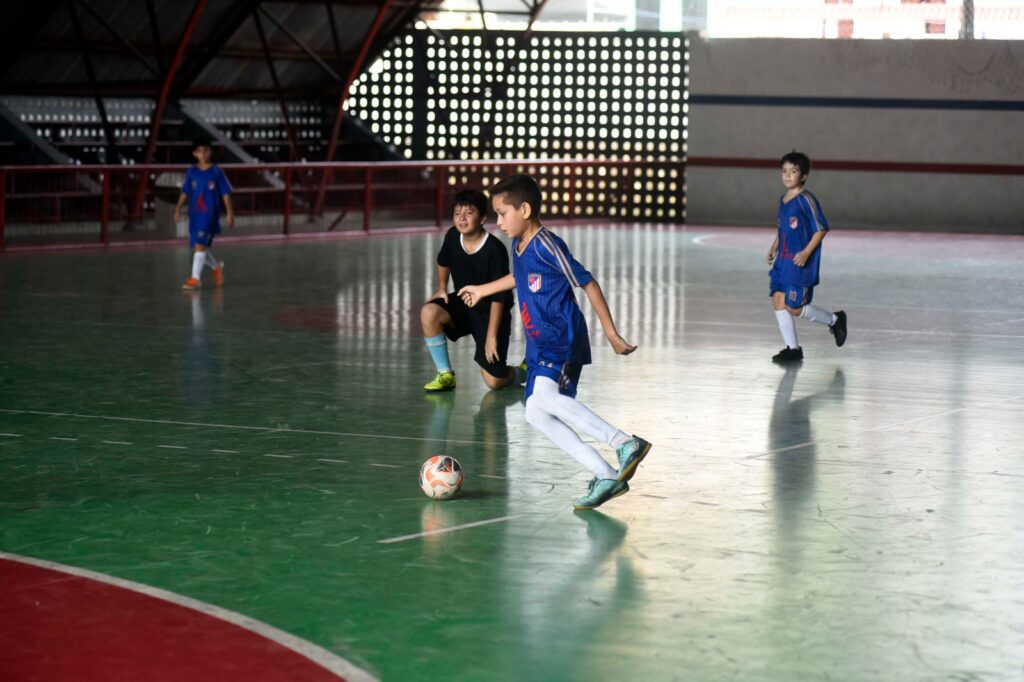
column 227, row 26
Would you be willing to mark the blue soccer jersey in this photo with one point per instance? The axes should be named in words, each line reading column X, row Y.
column 799, row 220
column 545, row 274
column 205, row 190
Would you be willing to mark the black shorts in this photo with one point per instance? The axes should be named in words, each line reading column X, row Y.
column 466, row 321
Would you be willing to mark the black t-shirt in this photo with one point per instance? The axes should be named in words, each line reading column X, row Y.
column 490, row 262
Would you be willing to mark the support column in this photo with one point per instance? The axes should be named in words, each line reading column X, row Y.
column 289, row 130
column 161, row 103
column 340, row 113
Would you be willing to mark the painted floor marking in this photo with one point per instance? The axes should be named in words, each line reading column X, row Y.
column 70, row 440
column 172, row 447
column 385, row 466
column 11, row 435
column 501, row 478
column 333, row 461
column 225, row 452
column 264, row 429
column 450, row 529
column 324, row 658
column 281, row 456
column 115, row 442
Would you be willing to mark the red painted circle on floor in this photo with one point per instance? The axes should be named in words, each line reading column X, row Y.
column 59, row 627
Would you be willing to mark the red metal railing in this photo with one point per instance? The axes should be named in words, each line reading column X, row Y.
column 86, row 205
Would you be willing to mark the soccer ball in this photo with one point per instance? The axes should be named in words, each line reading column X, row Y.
column 441, row 477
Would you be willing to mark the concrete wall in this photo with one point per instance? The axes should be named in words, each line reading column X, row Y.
column 959, row 102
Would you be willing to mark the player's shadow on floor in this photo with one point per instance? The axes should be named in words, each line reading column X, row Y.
column 793, row 449
column 488, row 453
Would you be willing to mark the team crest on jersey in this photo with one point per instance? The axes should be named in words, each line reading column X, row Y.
column 793, row 222
column 533, row 283
column 193, row 184
column 210, row 186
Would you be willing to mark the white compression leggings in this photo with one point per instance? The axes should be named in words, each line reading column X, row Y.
column 547, row 410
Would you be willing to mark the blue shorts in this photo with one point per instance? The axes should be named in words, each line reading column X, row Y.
column 566, row 375
column 796, row 296
column 200, row 237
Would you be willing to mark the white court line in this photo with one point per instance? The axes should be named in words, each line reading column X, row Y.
column 281, row 456
column 334, row 461
column 12, row 435
column 172, row 447
column 322, row 657
column 490, row 476
column 450, row 529
column 265, row 429
column 385, row 466
column 883, row 427
column 115, row 442
column 226, row 452
column 70, row 440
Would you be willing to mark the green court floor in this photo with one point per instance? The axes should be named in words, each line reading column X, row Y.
column 257, row 447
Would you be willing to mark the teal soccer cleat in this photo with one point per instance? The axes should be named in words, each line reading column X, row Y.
column 630, row 455
column 600, row 491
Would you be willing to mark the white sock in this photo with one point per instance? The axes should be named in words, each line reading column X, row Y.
column 787, row 325
column 211, row 262
column 573, row 411
column 198, row 258
column 567, row 440
column 817, row 315
column 548, row 411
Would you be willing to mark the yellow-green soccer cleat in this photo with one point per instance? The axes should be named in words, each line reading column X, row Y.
column 600, row 491
column 444, row 381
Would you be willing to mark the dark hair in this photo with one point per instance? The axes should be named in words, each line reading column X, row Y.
column 202, row 142
column 474, row 198
column 800, row 160
column 520, row 188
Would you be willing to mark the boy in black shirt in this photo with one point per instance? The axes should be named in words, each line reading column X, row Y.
column 469, row 255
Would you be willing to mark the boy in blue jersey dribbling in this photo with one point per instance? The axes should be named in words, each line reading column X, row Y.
column 205, row 188
column 795, row 258
column 544, row 274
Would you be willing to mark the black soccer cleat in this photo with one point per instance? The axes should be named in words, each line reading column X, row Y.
column 788, row 355
column 839, row 328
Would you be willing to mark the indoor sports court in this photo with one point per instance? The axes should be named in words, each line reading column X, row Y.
column 221, row 482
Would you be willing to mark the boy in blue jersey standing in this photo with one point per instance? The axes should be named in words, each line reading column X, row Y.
column 544, row 274
column 795, row 257
column 205, row 188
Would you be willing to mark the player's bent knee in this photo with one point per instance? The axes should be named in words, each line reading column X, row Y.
column 431, row 313
column 795, row 312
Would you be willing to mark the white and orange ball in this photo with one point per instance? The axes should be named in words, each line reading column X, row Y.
column 441, row 477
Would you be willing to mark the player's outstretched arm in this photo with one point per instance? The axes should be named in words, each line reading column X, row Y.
column 772, row 252
column 597, row 300
column 443, row 274
column 230, row 210
column 182, row 200
column 474, row 293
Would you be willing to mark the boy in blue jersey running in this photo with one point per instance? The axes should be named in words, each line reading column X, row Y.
column 795, row 257
column 544, row 274
column 205, row 188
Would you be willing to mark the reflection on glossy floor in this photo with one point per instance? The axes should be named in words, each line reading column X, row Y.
column 855, row 518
